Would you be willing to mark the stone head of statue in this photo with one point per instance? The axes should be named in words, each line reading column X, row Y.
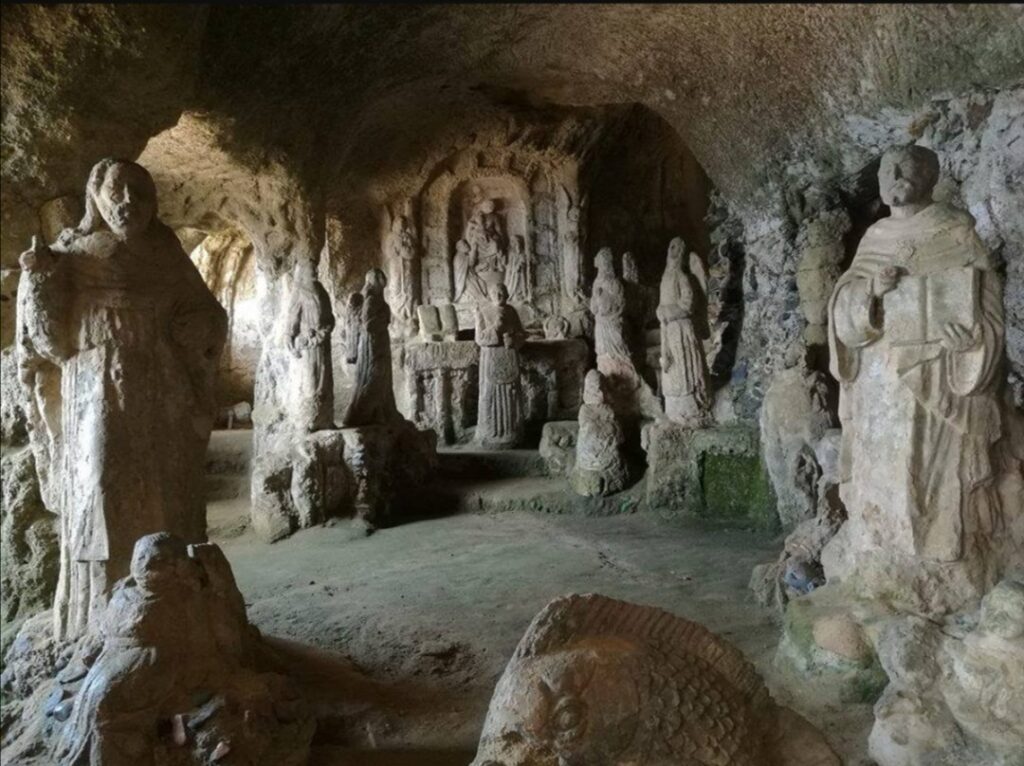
column 593, row 388
column 501, row 294
column 907, row 175
column 487, row 206
column 630, row 271
column 605, row 262
column 376, row 281
column 676, row 251
column 461, row 247
column 160, row 560
column 121, row 195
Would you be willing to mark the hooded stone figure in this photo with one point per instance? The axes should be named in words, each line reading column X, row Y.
column 119, row 341
column 373, row 399
column 684, row 371
column 310, row 323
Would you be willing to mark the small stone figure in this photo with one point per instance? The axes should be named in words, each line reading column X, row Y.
column 608, row 305
column 468, row 286
column 684, row 372
column 517, row 271
column 400, row 251
column 309, row 325
column 350, row 339
column 174, row 648
column 603, row 682
column 600, row 467
column 117, row 307
column 485, row 234
column 499, row 333
column 373, row 400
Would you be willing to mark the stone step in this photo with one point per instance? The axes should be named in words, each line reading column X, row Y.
column 546, row 494
column 490, row 464
column 230, row 453
column 226, row 487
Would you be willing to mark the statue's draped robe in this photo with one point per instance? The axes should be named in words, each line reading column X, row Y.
column 310, row 322
column 516, row 279
column 373, row 398
column 137, row 335
column 684, row 379
column 919, row 422
column 608, row 305
column 468, row 284
column 599, row 442
column 501, row 411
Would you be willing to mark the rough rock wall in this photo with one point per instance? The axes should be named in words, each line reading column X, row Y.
column 975, row 135
column 228, row 266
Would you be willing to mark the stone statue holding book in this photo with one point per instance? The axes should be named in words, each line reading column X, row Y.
column 917, row 343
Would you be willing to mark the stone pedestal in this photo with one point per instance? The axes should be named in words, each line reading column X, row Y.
column 712, row 473
column 300, row 485
column 359, row 472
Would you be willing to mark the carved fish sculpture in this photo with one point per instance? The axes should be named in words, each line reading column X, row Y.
column 600, row 682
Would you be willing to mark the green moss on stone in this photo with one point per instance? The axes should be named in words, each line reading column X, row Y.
column 737, row 490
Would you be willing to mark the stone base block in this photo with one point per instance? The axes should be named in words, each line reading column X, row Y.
column 340, row 472
column 711, row 473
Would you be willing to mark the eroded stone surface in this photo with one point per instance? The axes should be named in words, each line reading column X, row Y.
column 607, row 682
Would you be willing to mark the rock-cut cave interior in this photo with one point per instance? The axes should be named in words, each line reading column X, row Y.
column 512, row 385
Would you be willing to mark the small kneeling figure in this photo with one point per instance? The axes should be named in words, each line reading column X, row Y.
column 601, row 468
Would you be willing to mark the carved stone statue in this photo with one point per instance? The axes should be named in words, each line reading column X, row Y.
column 400, row 252
column 350, row 329
column 916, row 336
column 600, row 467
column 310, row 322
column 373, row 400
column 485, row 234
column 608, row 305
column 174, row 645
column 605, row 682
column 684, row 371
column 517, row 276
column 119, row 340
column 468, row 286
column 501, row 414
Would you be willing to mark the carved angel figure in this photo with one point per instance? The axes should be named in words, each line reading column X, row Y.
column 684, row 372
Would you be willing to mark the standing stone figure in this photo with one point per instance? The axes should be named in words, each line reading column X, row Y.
column 517, row 276
column 600, row 465
column 373, row 400
column 400, row 252
column 684, row 371
column 916, row 333
column 608, row 305
column 309, row 325
column 119, row 308
column 499, row 333
column 467, row 282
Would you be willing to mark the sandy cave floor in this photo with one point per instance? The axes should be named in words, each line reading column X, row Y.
column 400, row 637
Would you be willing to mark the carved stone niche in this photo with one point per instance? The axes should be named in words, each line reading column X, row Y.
column 485, row 220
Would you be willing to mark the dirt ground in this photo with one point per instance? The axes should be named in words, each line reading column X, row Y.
column 400, row 637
